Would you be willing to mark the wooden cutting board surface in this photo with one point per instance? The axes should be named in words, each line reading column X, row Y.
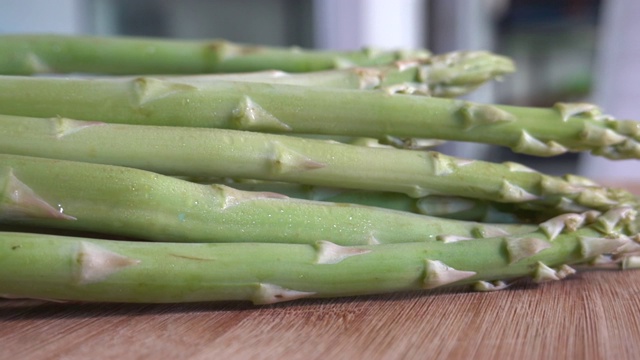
column 591, row 315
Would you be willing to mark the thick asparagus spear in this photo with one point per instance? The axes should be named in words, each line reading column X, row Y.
column 316, row 110
column 249, row 155
column 63, row 268
column 33, row 54
column 139, row 204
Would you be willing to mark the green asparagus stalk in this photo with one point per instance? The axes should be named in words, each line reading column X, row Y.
column 36, row 54
column 249, row 155
column 79, row 269
column 449, row 207
column 446, row 75
column 387, row 142
column 315, row 110
column 46, row 193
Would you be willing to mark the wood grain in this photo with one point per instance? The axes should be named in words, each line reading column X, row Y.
column 593, row 315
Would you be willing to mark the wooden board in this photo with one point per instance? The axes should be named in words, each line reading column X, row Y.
column 593, row 315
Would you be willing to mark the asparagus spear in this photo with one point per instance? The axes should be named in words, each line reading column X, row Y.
column 34, row 54
column 64, row 268
column 446, row 75
column 249, row 155
column 314, row 110
column 139, row 204
column 450, row 207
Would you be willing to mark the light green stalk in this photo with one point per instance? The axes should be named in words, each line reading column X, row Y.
column 35, row 54
column 77, row 269
column 249, row 155
column 37, row 192
column 316, row 110
column 447, row 75
column 386, row 142
column 450, row 207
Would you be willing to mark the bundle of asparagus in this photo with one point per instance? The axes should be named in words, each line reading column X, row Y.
column 270, row 186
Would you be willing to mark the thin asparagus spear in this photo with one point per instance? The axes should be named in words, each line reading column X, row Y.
column 34, row 54
column 446, row 75
column 241, row 154
column 450, row 207
column 139, row 204
column 387, row 142
column 77, row 269
column 314, row 110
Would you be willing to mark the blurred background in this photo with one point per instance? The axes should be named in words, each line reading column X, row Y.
column 565, row 50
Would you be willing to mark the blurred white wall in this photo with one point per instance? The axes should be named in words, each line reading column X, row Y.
column 353, row 24
column 41, row 16
column 617, row 87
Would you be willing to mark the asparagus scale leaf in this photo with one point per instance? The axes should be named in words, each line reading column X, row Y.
column 77, row 269
column 315, row 110
column 44, row 193
column 250, row 155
